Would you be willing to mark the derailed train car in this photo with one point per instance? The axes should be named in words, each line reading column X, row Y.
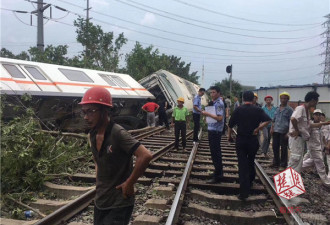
column 56, row 91
column 165, row 85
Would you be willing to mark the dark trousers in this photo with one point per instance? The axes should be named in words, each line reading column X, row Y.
column 163, row 119
column 266, row 141
column 215, row 148
column 180, row 126
column 225, row 126
column 280, row 141
column 196, row 118
column 246, row 149
column 116, row 216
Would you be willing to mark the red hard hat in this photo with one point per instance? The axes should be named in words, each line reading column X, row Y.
column 268, row 96
column 97, row 95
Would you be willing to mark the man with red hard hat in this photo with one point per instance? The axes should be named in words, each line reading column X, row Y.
column 112, row 147
column 269, row 110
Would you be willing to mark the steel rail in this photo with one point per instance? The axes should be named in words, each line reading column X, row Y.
column 68, row 211
column 145, row 129
column 179, row 196
column 148, row 133
column 291, row 218
column 163, row 150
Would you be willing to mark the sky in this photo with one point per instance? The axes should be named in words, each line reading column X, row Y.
column 268, row 42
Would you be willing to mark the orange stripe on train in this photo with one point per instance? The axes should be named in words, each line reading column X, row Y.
column 70, row 84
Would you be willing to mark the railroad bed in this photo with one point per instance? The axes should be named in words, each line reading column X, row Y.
column 174, row 189
column 199, row 202
column 61, row 202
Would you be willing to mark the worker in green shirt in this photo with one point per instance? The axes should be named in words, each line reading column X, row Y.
column 179, row 119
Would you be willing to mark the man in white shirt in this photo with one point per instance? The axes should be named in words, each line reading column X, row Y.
column 326, row 141
column 315, row 147
column 299, row 130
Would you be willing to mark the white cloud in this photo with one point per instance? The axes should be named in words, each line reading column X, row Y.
column 148, row 19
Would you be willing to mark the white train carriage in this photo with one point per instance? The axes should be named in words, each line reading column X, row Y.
column 58, row 89
column 171, row 87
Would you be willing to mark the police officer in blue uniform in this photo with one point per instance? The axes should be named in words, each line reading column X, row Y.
column 197, row 109
column 214, row 133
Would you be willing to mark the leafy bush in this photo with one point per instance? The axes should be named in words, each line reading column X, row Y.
column 29, row 156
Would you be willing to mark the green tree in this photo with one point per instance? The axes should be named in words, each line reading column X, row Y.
column 8, row 54
column 141, row 62
column 225, row 87
column 101, row 50
column 181, row 69
column 51, row 54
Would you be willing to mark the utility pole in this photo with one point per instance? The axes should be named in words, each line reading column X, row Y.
column 40, row 33
column 87, row 25
column 203, row 75
column 326, row 71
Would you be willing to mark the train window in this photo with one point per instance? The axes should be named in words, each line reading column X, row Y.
column 119, row 81
column 76, row 75
column 35, row 73
column 108, row 79
column 13, row 71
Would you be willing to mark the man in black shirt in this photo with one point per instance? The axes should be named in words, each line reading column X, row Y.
column 249, row 120
column 113, row 149
column 162, row 117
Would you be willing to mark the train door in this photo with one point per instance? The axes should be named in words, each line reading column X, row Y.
column 39, row 78
column 20, row 77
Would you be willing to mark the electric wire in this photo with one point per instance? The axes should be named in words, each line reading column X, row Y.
column 220, row 25
column 199, row 45
column 240, row 18
column 216, row 30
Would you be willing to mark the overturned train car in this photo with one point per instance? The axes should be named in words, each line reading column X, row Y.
column 56, row 91
column 165, row 85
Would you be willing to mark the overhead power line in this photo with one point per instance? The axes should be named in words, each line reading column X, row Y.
column 268, row 71
column 210, row 47
column 204, row 46
column 221, row 25
column 200, row 38
column 199, row 45
column 242, row 18
column 216, row 30
column 193, row 37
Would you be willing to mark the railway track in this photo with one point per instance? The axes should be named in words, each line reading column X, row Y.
column 174, row 189
column 82, row 184
column 157, row 140
column 195, row 201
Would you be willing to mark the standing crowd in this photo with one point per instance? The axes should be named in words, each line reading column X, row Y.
column 300, row 130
